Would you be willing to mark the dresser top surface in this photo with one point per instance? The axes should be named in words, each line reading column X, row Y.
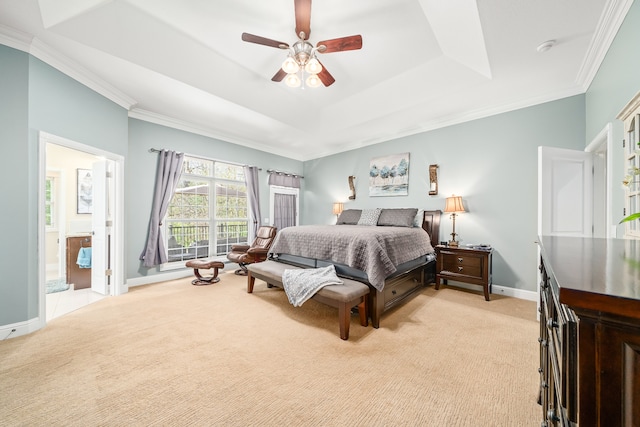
column 593, row 269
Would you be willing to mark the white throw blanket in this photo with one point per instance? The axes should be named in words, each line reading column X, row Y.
column 301, row 284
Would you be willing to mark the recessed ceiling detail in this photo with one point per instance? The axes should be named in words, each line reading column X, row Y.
column 424, row 64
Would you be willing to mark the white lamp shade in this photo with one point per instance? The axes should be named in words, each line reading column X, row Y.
column 292, row 80
column 313, row 66
column 290, row 66
column 313, row 80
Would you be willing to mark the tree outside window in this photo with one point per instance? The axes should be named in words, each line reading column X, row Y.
column 211, row 195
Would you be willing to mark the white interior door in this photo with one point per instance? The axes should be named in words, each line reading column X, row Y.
column 565, row 192
column 100, row 228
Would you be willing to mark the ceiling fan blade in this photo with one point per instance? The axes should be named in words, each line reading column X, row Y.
column 303, row 18
column 340, row 44
column 277, row 77
column 325, row 77
column 264, row 41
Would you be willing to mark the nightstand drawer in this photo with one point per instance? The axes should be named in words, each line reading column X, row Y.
column 467, row 270
column 465, row 260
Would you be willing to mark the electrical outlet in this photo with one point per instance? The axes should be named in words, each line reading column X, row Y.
column 266, row 221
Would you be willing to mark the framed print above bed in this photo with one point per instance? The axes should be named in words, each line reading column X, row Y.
column 389, row 175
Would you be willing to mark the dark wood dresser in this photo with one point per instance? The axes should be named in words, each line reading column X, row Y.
column 589, row 331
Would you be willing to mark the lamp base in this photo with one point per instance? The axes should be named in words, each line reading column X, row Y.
column 453, row 243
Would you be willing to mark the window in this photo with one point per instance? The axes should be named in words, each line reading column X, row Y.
column 49, row 202
column 630, row 115
column 211, row 195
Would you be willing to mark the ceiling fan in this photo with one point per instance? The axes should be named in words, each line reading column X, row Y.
column 302, row 55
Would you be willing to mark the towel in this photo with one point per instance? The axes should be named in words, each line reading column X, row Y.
column 84, row 258
column 302, row 284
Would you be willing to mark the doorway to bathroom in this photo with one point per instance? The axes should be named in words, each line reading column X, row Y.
column 80, row 223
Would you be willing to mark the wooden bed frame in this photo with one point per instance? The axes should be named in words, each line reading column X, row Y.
column 397, row 289
column 400, row 286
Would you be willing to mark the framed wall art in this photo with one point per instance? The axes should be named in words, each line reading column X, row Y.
column 85, row 191
column 389, row 175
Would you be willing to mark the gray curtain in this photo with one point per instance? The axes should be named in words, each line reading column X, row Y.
column 284, row 211
column 167, row 177
column 253, row 196
column 284, row 180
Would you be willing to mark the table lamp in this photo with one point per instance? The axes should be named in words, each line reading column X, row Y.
column 453, row 205
column 337, row 209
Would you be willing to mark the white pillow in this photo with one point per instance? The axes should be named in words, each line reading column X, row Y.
column 369, row 216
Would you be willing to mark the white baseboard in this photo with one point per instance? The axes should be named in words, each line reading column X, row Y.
column 20, row 328
column 160, row 277
column 500, row 290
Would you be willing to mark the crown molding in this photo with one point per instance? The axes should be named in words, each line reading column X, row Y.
column 77, row 72
column 171, row 122
column 610, row 21
column 452, row 120
column 14, row 38
column 37, row 48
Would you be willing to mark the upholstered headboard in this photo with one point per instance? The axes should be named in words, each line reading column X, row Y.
column 431, row 224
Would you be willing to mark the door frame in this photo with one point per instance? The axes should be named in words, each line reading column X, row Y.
column 602, row 144
column 277, row 189
column 117, row 265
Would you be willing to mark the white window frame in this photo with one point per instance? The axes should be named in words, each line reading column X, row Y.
column 213, row 221
column 630, row 115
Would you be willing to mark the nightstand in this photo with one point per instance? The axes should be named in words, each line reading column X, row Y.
column 464, row 264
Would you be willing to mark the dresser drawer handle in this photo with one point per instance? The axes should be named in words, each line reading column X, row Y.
column 394, row 292
column 460, row 268
column 460, row 259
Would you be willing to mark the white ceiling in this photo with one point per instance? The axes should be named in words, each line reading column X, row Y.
column 424, row 64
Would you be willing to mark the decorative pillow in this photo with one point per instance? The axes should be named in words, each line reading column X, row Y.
column 417, row 222
column 349, row 217
column 369, row 216
column 397, row 217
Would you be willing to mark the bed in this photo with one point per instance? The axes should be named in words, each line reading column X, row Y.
column 393, row 257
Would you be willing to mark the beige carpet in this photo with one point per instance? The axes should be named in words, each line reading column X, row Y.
column 177, row 354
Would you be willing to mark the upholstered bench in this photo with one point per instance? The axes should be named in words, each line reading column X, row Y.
column 344, row 297
column 204, row 264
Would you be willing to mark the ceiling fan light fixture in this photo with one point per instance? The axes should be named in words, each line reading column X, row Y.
column 290, row 66
column 292, row 80
column 313, row 66
column 313, row 80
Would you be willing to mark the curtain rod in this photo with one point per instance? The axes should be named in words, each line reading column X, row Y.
column 155, row 150
column 284, row 173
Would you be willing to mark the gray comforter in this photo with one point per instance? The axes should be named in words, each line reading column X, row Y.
column 375, row 250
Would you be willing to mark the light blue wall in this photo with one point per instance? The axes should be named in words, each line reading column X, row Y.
column 141, row 176
column 63, row 107
column 40, row 98
column 17, row 253
column 617, row 81
column 491, row 163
